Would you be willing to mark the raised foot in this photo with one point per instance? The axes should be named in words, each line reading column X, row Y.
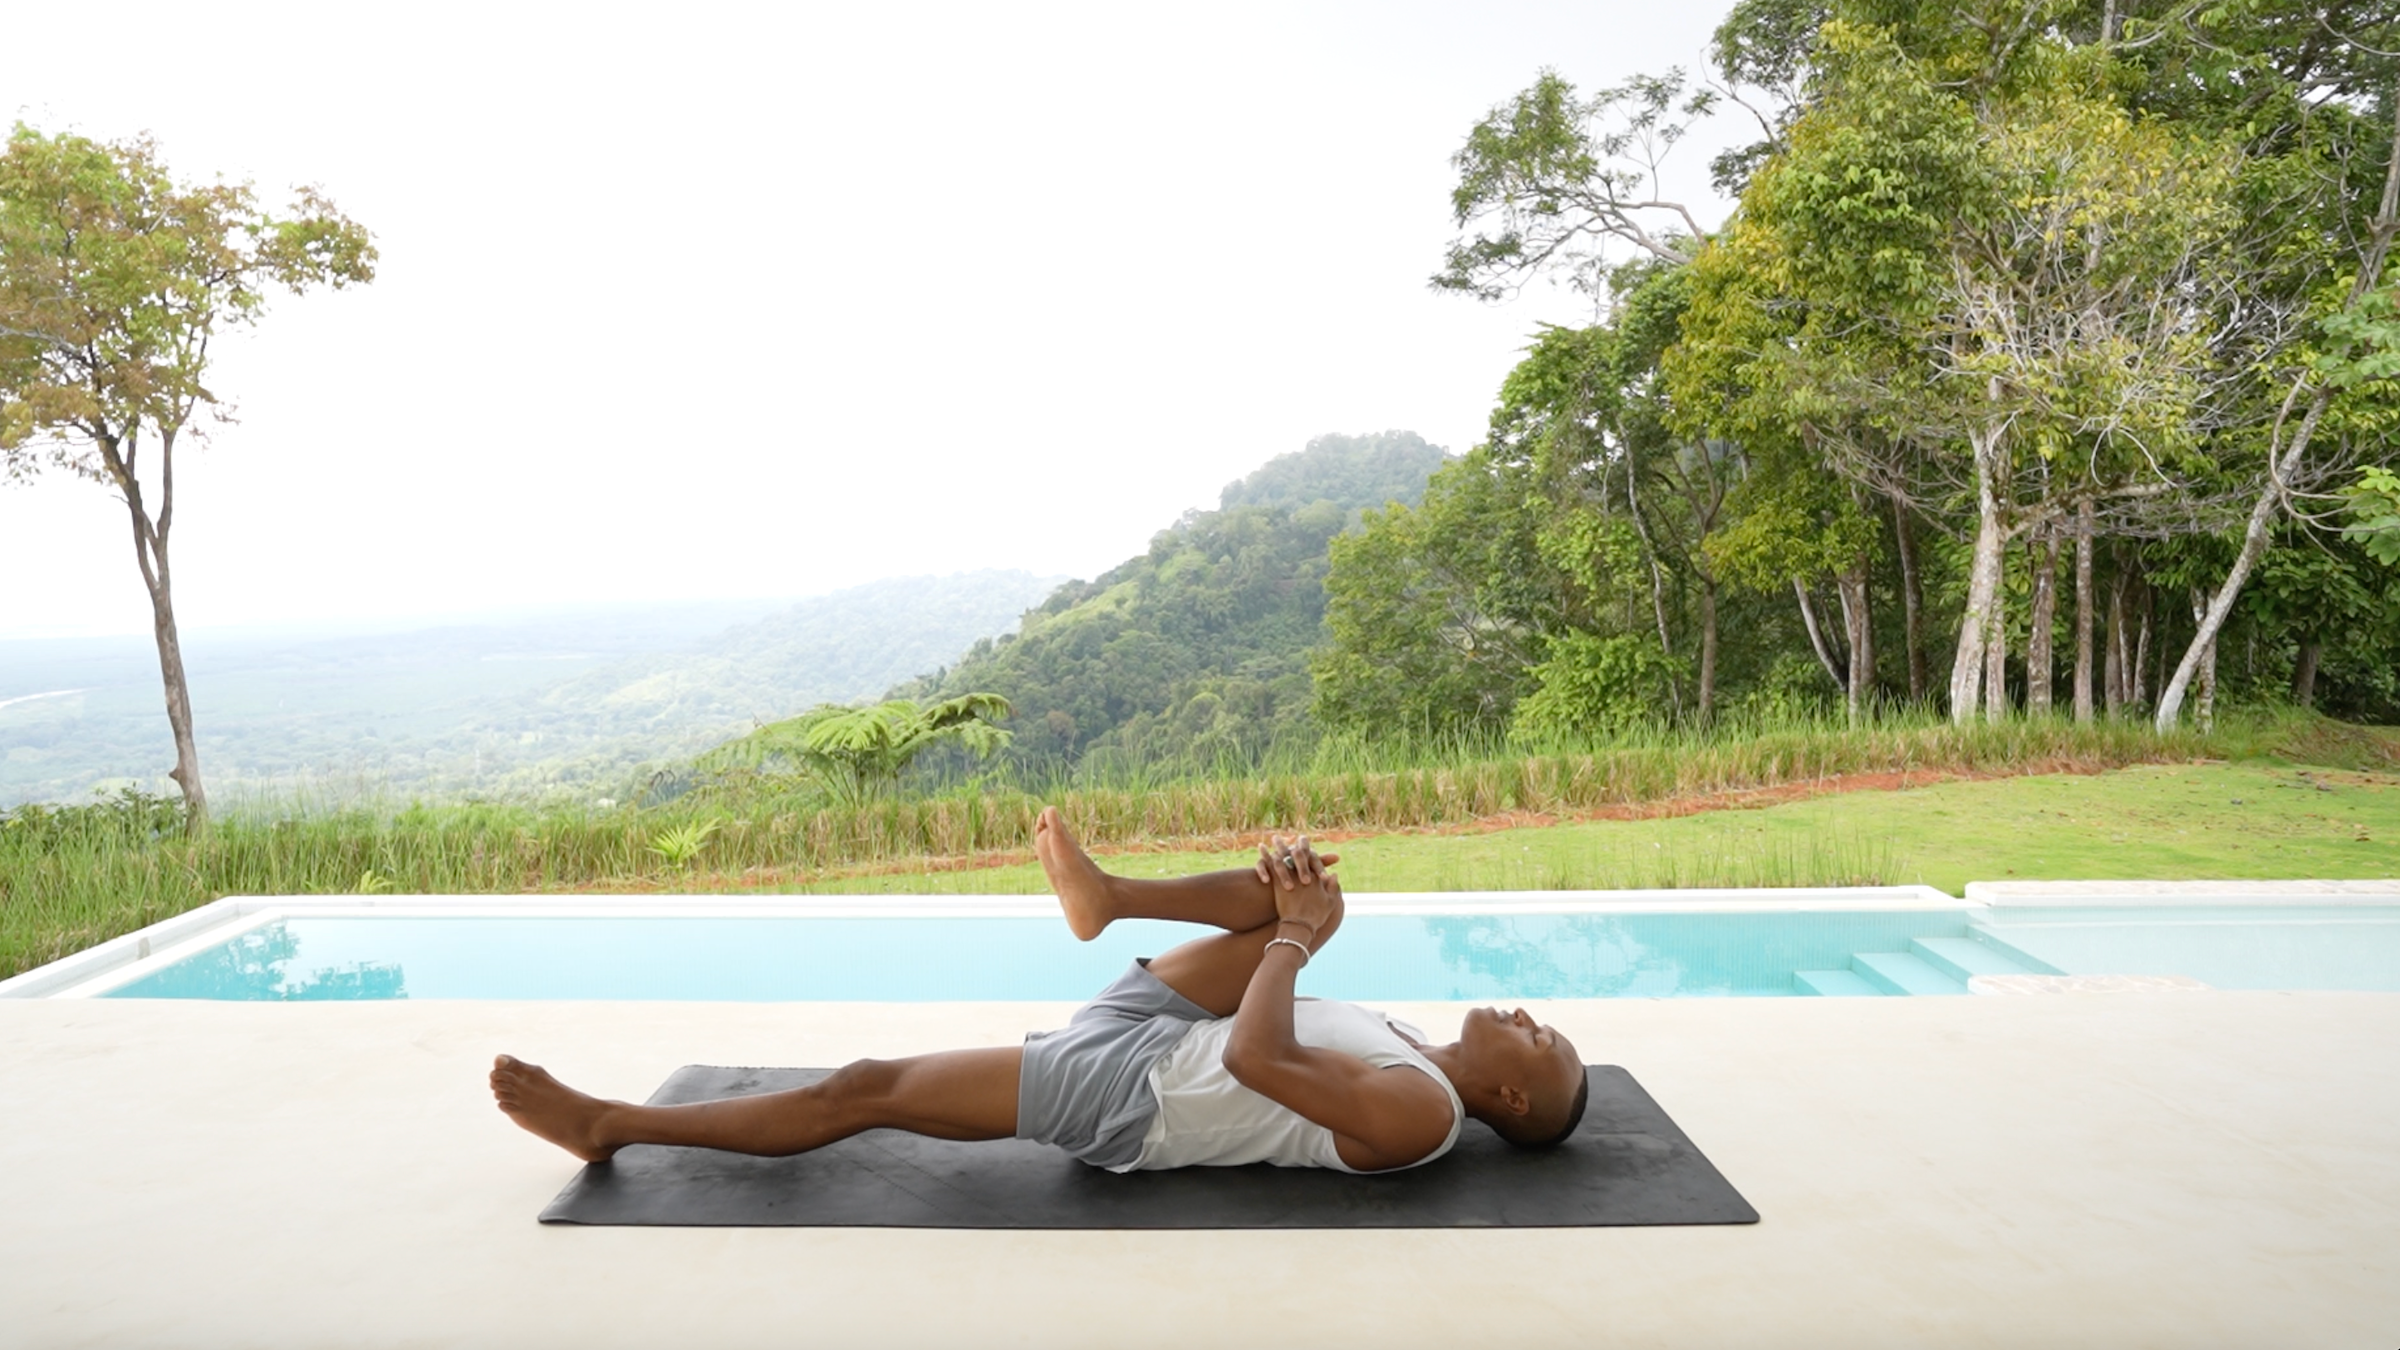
column 1081, row 886
column 550, row 1109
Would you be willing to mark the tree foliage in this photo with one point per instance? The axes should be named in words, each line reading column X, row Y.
column 115, row 280
column 2056, row 334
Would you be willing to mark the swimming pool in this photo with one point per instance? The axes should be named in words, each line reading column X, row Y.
column 1881, row 941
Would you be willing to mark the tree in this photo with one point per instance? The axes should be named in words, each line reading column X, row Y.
column 1968, row 274
column 1434, row 614
column 2022, row 271
column 1549, row 179
column 1595, row 686
column 115, row 279
column 2311, row 94
column 2363, row 341
column 2374, row 511
column 860, row 753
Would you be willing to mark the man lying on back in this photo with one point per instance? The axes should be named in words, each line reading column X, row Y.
column 1200, row 1057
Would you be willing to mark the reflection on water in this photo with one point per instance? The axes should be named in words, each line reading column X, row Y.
column 263, row 965
column 1559, row 956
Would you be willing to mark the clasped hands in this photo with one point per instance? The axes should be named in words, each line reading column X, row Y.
column 1305, row 891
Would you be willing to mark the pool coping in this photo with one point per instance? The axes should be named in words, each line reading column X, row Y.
column 120, row 960
column 2179, row 894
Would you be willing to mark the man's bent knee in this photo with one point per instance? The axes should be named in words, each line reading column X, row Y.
column 861, row 1082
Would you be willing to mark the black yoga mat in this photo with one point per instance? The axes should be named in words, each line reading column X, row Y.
column 1627, row 1164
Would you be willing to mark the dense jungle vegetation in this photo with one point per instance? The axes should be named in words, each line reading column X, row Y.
column 2045, row 363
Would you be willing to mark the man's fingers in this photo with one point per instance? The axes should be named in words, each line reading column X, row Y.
column 1275, row 862
column 1306, row 862
column 1291, row 861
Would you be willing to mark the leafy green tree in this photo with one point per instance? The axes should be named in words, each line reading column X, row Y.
column 1548, row 179
column 1602, row 432
column 1434, row 615
column 1595, row 686
column 2026, row 272
column 2374, row 508
column 2324, row 598
column 115, row 279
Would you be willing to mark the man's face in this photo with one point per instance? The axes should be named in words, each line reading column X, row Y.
column 1523, row 1053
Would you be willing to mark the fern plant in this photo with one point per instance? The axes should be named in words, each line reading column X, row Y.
column 860, row 753
column 677, row 845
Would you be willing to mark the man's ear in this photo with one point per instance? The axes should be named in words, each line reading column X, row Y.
column 1515, row 1102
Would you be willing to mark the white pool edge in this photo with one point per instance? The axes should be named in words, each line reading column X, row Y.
column 121, row 960
column 2180, row 894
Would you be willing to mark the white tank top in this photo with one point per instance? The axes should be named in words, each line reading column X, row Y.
column 1206, row 1119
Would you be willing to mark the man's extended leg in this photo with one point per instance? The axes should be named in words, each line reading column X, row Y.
column 954, row 1094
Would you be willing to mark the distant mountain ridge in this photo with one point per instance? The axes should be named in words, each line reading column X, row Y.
column 837, row 648
column 533, row 702
column 1200, row 644
column 1193, row 647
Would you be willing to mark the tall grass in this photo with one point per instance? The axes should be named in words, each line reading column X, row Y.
column 70, row 877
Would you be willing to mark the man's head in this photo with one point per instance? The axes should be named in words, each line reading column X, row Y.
column 1521, row 1078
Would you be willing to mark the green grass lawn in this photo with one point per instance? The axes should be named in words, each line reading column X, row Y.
column 73, row 876
column 2253, row 819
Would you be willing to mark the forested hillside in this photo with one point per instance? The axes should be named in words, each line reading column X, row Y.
column 1200, row 646
column 2053, row 373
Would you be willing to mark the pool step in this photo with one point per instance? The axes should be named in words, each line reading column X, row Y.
column 1931, row 967
column 1901, row 973
column 1965, row 958
column 2025, row 960
column 1831, row 984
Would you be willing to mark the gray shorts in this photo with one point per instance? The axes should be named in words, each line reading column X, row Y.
column 1086, row 1086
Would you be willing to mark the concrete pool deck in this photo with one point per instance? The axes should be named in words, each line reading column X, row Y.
column 2186, row 1169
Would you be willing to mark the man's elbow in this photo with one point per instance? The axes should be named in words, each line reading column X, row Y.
column 1248, row 1064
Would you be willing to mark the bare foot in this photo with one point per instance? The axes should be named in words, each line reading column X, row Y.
column 550, row 1108
column 1081, row 886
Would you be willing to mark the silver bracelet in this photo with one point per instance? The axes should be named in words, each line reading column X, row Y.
column 1289, row 942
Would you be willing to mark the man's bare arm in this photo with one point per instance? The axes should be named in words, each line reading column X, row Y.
column 1379, row 1119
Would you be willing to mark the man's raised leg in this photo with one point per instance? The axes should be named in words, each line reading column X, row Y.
column 1215, row 971
column 1211, row 971
column 1235, row 900
column 954, row 1094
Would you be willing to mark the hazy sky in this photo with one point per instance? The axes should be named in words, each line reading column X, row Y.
column 694, row 301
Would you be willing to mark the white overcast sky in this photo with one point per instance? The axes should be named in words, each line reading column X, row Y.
column 690, row 301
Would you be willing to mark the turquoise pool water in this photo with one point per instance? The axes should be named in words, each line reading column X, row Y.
column 1438, row 957
column 2287, row 947
column 934, row 960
